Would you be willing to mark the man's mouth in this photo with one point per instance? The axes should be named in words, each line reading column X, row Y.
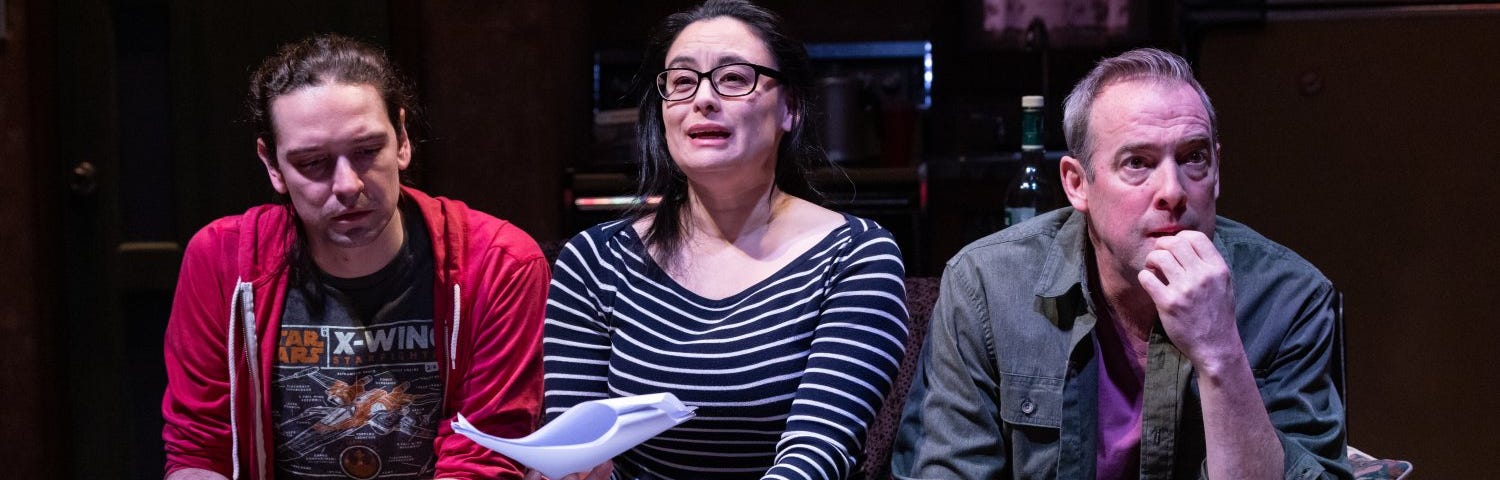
column 350, row 216
column 1165, row 232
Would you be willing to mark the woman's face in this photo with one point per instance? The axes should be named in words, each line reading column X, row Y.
column 708, row 133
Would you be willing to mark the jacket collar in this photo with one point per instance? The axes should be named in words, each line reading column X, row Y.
column 1064, row 268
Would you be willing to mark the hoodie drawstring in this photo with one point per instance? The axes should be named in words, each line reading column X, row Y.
column 234, row 442
column 453, row 333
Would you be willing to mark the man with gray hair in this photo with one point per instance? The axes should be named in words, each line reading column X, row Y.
column 1135, row 334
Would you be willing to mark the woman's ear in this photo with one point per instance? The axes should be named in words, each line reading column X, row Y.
column 789, row 116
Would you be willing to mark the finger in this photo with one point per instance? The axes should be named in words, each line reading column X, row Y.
column 603, row 471
column 1154, row 287
column 1191, row 235
column 1182, row 249
column 1165, row 264
column 1204, row 247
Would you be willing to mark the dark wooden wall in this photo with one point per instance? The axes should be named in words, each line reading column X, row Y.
column 26, row 277
column 1366, row 141
column 506, row 87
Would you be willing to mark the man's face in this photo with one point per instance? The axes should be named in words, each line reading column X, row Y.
column 339, row 159
column 1155, row 170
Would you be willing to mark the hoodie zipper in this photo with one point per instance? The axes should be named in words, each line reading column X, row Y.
column 252, row 364
column 242, row 319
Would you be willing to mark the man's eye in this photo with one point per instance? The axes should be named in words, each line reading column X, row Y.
column 1135, row 162
column 1198, row 156
column 311, row 163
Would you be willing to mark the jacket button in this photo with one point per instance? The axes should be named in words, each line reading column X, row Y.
column 1027, row 407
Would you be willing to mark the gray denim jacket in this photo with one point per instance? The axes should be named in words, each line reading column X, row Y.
column 1007, row 383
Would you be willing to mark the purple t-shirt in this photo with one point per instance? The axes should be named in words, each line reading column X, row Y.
column 1121, row 378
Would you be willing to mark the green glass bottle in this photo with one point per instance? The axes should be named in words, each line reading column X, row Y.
column 1030, row 192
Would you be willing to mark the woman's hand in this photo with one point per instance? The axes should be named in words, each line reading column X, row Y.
column 600, row 472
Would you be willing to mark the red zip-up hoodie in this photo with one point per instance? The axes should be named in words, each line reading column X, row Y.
column 491, row 294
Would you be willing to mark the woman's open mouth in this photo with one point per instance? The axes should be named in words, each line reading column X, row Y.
column 708, row 132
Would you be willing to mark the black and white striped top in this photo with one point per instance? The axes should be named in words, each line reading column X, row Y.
column 785, row 375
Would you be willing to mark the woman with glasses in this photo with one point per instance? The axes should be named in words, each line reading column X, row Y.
column 781, row 321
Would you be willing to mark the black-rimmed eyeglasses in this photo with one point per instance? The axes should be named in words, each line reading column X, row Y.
column 728, row 80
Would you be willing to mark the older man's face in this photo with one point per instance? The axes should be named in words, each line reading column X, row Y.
column 1155, row 170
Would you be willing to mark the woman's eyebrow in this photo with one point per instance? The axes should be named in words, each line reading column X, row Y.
column 686, row 61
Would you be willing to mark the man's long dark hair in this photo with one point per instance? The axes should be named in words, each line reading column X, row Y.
column 322, row 60
column 797, row 153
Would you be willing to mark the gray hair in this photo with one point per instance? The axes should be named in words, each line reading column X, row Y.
column 1141, row 63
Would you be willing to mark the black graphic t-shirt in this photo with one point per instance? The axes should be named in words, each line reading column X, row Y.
column 357, row 390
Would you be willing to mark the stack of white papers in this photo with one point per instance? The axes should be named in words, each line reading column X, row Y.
column 587, row 434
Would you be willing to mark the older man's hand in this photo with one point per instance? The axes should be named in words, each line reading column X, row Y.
column 1189, row 282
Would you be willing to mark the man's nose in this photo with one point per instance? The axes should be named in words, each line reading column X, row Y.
column 346, row 181
column 1170, row 192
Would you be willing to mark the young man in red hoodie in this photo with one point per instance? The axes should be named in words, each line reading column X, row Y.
column 339, row 332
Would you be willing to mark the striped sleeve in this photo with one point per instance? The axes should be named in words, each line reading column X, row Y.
column 856, row 351
column 576, row 346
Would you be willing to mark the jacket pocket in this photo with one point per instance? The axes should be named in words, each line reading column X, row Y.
column 1031, row 401
column 1031, row 409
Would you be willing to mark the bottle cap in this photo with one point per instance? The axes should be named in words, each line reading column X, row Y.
column 1031, row 101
